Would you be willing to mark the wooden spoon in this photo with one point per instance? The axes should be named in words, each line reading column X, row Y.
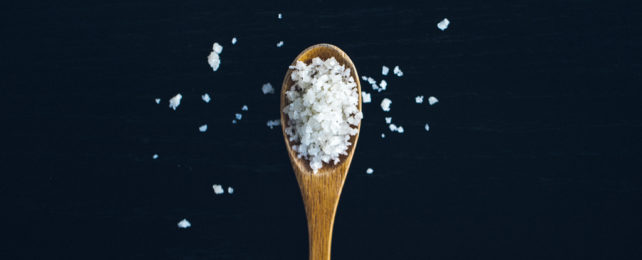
column 320, row 190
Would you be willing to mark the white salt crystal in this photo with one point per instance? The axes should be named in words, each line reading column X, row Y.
column 427, row 127
column 233, row 121
column 280, row 16
column 322, row 111
column 267, row 89
column 230, row 190
column 214, row 60
column 432, row 100
column 384, row 70
column 443, row 25
column 206, row 98
column 385, row 104
column 365, row 97
column 202, row 128
column 175, row 101
column 157, row 100
column 383, row 84
column 397, row 71
column 238, row 116
column 369, row 171
column 388, row 120
column 279, row 44
column 244, row 108
column 392, row 127
column 400, row 129
column 419, row 99
column 184, row 224
column 383, row 135
column 155, row 156
column 364, row 78
column 218, row 189
column 234, row 40
column 217, row 48
column 272, row 123
column 371, row 80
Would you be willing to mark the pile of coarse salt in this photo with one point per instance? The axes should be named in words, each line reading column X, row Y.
column 322, row 111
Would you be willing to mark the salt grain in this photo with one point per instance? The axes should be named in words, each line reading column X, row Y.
column 244, row 108
column 385, row 104
column 218, row 189
column 238, row 116
column 322, row 111
column 234, row 40
column 206, row 97
column 279, row 44
column 392, row 127
column 364, row 78
column 365, row 97
column 419, row 99
column 155, row 156
column 217, row 48
column 280, row 16
column 175, row 101
column 388, row 120
column 397, row 71
column 214, row 60
column 383, row 135
column 267, row 89
column 202, row 128
column 272, row 123
column 384, row 70
column 157, row 100
column 432, row 100
column 383, row 84
column 443, row 25
column 184, row 224
column 234, row 121
column 400, row 129
column 230, row 190
column 369, row 171
column 427, row 127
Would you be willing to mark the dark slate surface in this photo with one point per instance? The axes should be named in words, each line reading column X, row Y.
column 533, row 151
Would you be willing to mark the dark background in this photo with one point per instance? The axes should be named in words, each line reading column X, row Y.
column 533, row 151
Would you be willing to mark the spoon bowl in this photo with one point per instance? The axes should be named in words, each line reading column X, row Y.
column 321, row 190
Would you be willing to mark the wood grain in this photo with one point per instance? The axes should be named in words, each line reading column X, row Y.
column 321, row 190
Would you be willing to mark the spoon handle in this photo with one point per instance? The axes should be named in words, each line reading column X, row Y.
column 321, row 199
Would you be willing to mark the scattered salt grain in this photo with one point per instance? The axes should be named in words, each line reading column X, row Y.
column 267, row 89
column 217, row 48
column 238, row 116
column 371, row 80
column 234, row 40
column 157, row 100
column 388, row 120
column 279, row 44
column 384, row 70
column 214, row 60
column 392, row 127
column 230, row 190
column 419, row 99
column 322, row 111
column 365, row 97
column 385, row 104
column 383, row 84
column 155, row 156
column 427, row 127
column 400, row 129
column 397, row 71
column 383, row 135
column 280, row 16
column 369, row 171
column 233, row 121
column 184, row 224
column 272, row 123
column 206, row 98
column 432, row 100
column 175, row 101
column 364, row 78
column 202, row 128
column 218, row 189
column 244, row 108
column 443, row 25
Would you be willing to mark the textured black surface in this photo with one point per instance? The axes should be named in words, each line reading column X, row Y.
column 533, row 151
